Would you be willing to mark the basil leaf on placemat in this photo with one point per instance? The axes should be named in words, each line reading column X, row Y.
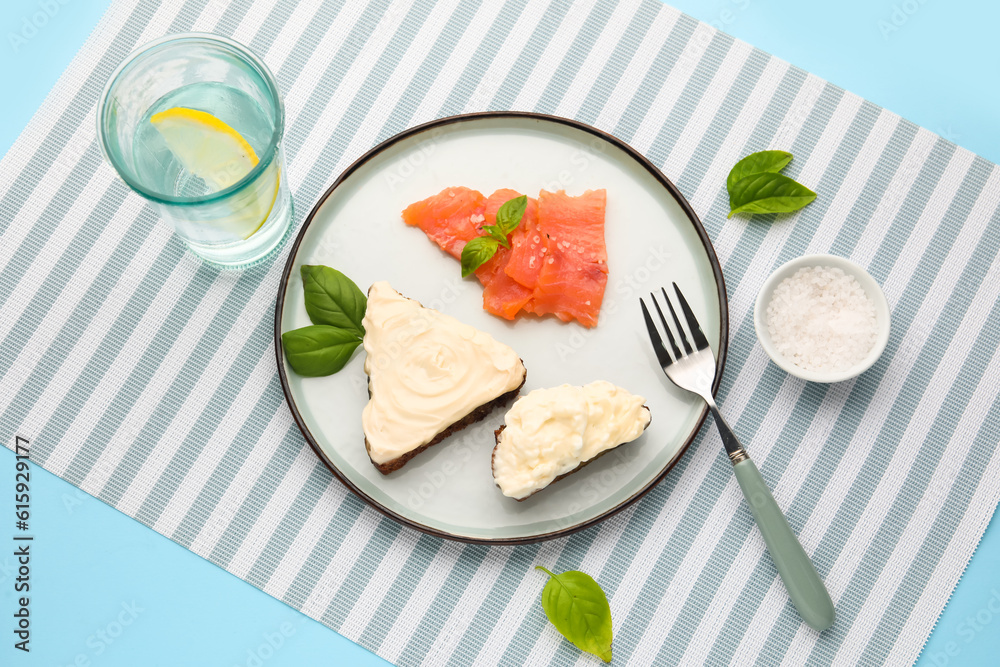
column 319, row 349
column 579, row 609
column 509, row 215
column 758, row 163
column 477, row 252
column 768, row 193
column 333, row 299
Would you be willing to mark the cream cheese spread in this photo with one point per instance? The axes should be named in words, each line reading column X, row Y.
column 426, row 371
column 551, row 432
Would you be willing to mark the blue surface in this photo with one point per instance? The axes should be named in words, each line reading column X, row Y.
column 933, row 63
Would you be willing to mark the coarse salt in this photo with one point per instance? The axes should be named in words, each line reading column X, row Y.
column 821, row 319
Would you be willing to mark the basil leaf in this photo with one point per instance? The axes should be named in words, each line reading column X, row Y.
column 509, row 215
column 768, row 193
column 318, row 349
column 333, row 299
column 579, row 609
column 496, row 233
column 481, row 249
column 757, row 163
column 477, row 252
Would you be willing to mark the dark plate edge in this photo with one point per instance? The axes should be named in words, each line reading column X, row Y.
column 722, row 347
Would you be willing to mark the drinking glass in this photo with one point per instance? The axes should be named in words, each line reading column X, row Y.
column 193, row 123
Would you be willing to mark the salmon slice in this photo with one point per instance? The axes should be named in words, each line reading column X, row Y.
column 526, row 246
column 450, row 218
column 574, row 258
column 502, row 296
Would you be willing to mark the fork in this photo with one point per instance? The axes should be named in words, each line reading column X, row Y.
column 693, row 368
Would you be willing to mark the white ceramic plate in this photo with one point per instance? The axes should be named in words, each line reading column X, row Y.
column 653, row 238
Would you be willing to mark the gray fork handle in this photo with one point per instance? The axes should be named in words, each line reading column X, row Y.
column 805, row 588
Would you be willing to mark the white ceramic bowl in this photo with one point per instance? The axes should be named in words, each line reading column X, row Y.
column 850, row 268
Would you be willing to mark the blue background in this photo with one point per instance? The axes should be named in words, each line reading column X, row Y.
column 935, row 63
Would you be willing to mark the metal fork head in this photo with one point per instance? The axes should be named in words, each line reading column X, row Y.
column 691, row 365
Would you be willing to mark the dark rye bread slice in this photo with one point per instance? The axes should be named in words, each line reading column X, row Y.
column 496, row 437
column 476, row 415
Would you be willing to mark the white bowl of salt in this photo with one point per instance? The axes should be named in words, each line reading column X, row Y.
column 822, row 318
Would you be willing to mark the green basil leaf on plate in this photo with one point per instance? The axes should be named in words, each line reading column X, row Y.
column 509, row 215
column 757, row 163
column 477, row 252
column 768, row 193
column 333, row 299
column 319, row 349
column 579, row 609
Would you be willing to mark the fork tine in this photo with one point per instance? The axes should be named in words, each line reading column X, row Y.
column 670, row 336
column 699, row 337
column 661, row 353
column 680, row 329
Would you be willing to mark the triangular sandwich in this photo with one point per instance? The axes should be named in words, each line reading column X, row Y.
column 429, row 375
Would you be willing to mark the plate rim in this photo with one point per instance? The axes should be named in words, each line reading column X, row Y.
column 654, row 171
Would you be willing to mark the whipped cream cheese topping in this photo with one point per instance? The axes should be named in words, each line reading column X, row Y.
column 426, row 371
column 550, row 432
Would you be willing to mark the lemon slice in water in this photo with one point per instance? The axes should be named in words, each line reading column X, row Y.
column 219, row 155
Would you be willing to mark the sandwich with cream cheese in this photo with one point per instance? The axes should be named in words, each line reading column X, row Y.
column 551, row 433
column 429, row 375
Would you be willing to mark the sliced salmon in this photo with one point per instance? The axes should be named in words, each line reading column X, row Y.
column 526, row 246
column 450, row 218
column 502, row 295
column 557, row 263
column 574, row 258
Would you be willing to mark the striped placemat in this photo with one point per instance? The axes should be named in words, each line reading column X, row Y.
column 148, row 379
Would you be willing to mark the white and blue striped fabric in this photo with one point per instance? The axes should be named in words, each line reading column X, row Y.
column 148, row 380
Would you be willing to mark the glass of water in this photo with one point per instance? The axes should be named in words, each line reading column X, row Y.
column 193, row 123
